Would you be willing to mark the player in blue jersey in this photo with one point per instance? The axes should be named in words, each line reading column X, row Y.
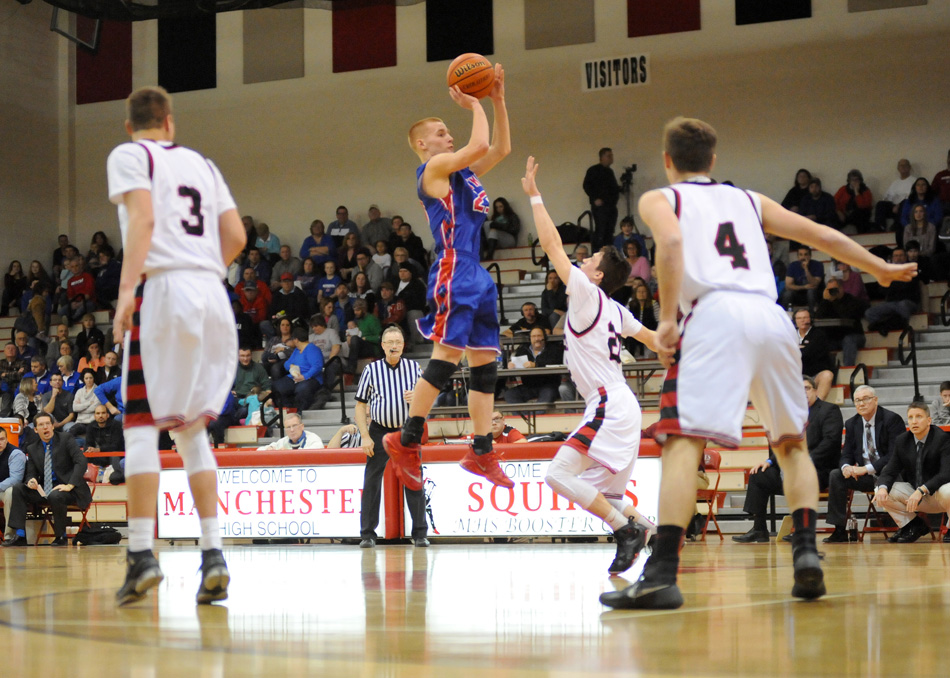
column 463, row 318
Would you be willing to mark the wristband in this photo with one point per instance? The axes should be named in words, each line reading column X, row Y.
column 536, row 200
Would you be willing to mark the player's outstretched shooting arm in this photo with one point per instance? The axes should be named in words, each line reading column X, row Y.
column 501, row 133
column 481, row 153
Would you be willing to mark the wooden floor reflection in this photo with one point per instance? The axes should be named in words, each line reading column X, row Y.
column 473, row 610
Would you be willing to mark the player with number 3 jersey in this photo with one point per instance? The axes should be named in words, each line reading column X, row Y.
column 180, row 230
column 593, row 466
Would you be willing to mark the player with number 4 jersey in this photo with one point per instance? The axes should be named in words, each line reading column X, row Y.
column 593, row 466
column 711, row 257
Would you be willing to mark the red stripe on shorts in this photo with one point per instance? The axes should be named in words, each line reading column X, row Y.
column 442, row 294
column 137, row 410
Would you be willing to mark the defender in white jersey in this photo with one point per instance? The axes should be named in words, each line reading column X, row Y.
column 711, row 256
column 594, row 464
column 180, row 230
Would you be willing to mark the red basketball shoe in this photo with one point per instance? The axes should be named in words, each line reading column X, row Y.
column 486, row 465
column 405, row 460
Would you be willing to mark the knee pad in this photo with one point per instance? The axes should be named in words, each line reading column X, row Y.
column 194, row 449
column 141, row 450
column 438, row 373
column 562, row 477
column 484, row 377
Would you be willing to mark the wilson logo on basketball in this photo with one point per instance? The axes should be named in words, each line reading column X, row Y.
column 465, row 68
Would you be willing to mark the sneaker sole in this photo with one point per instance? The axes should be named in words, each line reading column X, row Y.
column 666, row 598
column 149, row 580
column 214, row 586
column 809, row 583
column 477, row 470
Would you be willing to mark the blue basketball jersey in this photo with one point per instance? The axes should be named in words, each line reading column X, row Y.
column 456, row 219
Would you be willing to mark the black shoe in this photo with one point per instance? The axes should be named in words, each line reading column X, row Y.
column 901, row 531
column 214, row 577
column 631, row 538
column 809, row 579
column 142, row 573
column 15, row 541
column 117, row 478
column 753, row 536
column 60, row 541
column 644, row 596
column 839, row 536
column 913, row 531
column 368, row 544
column 788, row 537
column 421, row 542
column 946, row 536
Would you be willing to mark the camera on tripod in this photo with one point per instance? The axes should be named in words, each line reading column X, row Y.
column 626, row 179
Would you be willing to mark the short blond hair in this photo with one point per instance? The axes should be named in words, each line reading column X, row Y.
column 416, row 131
column 147, row 107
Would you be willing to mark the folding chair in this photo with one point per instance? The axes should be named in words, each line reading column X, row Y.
column 45, row 514
column 872, row 512
column 711, row 495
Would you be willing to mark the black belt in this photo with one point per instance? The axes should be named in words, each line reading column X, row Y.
column 384, row 429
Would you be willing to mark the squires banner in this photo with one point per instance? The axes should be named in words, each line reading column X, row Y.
column 460, row 504
column 277, row 502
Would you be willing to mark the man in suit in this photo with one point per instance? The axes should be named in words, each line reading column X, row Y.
column 869, row 440
column 921, row 457
column 823, row 437
column 58, row 483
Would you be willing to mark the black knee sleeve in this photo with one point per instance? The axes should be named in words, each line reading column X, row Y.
column 484, row 377
column 438, row 373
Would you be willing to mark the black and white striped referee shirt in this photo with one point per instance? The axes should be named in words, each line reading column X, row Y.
column 382, row 386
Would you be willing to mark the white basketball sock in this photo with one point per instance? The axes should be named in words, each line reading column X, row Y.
column 210, row 534
column 141, row 534
column 616, row 519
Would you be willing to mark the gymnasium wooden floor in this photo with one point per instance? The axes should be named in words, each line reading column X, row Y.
column 474, row 610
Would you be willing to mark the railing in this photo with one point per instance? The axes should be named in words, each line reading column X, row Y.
column 278, row 417
column 944, row 310
column 337, row 385
column 543, row 259
column 911, row 357
column 590, row 225
column 494, row 266
column 860, row 367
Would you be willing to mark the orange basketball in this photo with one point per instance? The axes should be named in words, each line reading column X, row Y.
column 473, row 73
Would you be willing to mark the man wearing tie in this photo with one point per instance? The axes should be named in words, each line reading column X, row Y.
column 54, row 471
column 869, row 441
column 921, row 457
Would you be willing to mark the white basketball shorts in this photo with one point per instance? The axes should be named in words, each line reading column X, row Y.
column 180, row 357
column 735, row 347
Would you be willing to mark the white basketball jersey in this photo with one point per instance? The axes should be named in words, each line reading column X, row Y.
column 593, row 340
column 723, row 241
column 188, row 195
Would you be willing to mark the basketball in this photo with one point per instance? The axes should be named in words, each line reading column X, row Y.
column 473, row 73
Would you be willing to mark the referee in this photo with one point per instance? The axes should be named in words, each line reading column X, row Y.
column 382, row 405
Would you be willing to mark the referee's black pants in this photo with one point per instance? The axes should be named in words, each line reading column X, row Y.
column 372, row 489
